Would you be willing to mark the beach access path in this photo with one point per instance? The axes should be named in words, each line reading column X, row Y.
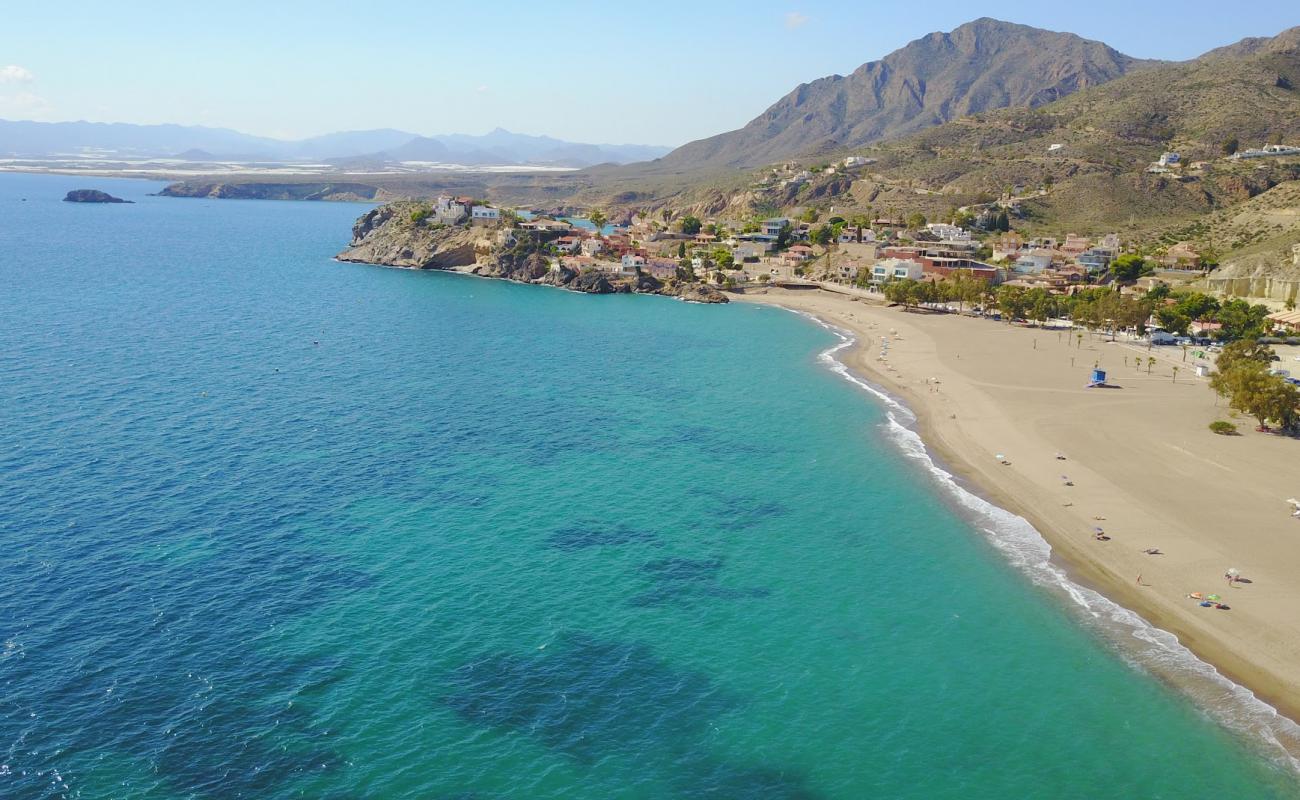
column 1144, row 467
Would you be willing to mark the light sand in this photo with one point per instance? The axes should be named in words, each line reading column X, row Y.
column 1140, row 456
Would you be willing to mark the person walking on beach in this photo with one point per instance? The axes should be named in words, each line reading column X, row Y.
column 1139, row 580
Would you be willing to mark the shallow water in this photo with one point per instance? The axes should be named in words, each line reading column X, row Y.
column 277, row 526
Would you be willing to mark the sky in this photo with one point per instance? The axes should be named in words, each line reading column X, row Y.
column 646, row 73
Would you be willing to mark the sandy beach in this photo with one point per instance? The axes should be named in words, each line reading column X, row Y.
column 1142, row 463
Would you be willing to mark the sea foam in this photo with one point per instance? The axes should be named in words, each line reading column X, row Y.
column 1137, row 641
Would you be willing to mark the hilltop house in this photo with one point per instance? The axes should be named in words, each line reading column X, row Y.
column 592, row 246
column 449, row 210
column 484, row 215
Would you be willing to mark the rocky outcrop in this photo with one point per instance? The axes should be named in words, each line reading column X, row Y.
column 402, row 234
column 92, row 196
column 399, row 235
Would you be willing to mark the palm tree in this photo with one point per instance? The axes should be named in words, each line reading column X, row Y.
column 1151, row 362
column 1175, row 374
column 598, row 219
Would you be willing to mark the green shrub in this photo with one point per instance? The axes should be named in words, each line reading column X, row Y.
column 1223, row 428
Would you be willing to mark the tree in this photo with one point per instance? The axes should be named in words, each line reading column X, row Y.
column 723, row 258
column 1230, row 145
column 916, row 221
column 597, row 219
column 822, row 235
column 1012, row 302
column 783, row 235
column 1129, row 267
column 1172, row 321
column 1250, row 389
column 691, row 225
column 809, row 215
column 681, row 249
column 1241, row 320
column 1003, row 222
column 1246, row 352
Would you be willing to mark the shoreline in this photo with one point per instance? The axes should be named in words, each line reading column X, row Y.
column 1248, row 693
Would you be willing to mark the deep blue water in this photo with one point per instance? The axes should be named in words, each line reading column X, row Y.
column 275, row 526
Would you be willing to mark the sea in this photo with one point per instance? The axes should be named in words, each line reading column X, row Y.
column 275, row 526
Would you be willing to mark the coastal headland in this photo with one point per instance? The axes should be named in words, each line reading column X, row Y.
column 999, row 403
column 408, row 235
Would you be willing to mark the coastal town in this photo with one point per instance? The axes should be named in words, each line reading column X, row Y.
column 972, row 258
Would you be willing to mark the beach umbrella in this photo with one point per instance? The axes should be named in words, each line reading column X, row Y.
column 1213, row 597
column 1234, row 572
column 1097, row 530
column 1293, row 501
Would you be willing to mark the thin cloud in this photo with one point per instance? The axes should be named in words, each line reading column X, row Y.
column 25, row 105
column 795, row 20
column 481, row 89
column 16, row 74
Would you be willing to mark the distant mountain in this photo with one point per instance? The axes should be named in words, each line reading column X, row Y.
column 196, row 143
column 981, row 65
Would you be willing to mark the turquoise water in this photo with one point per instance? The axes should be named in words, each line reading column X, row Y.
column 276, row 526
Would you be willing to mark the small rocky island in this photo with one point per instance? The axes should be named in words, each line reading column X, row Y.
column 443, row 235
column 92, row 196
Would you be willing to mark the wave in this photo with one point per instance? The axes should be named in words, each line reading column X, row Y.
column 1140, row 643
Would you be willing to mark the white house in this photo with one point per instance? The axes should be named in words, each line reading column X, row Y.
column 852, row 162
column 630, row 262
column 773, row 227
column 1033, row 261
column 484, row 215
column 895, row 269
column 1052, row 148
column 592, row 246
column 1169, row 159
column 448, row 210
column 948, row 233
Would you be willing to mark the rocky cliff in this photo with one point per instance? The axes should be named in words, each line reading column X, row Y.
column 395, row 235
column 257, row 190
column 401, row 235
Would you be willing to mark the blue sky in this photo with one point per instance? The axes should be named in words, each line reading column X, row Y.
column 657, row 73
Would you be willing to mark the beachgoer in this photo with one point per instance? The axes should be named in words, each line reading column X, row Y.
column 1139, row 581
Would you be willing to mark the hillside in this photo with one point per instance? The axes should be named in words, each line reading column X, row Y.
column 982, row 65
column 1077, row 164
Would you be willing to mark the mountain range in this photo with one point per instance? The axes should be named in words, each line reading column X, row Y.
column 982, row 65
column 197, row 143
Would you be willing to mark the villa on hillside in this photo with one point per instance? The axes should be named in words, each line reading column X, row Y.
column 546, row 224
column 484, row 215
column 450, row 210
